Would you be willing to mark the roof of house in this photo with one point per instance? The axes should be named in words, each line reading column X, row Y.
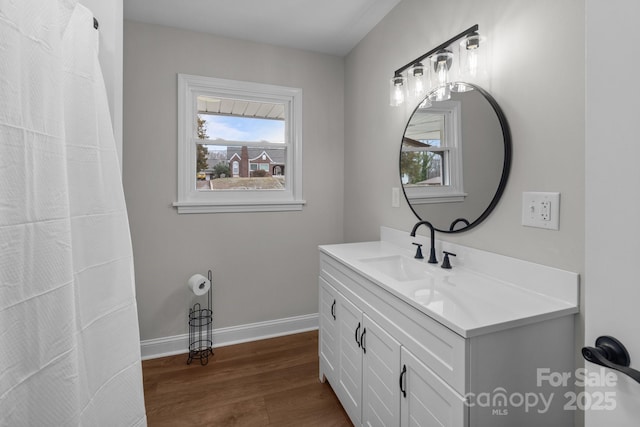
column 277, row 155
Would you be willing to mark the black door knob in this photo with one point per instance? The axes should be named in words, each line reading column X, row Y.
column 612, row 354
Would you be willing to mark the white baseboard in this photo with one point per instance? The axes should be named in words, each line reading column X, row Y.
column 177, row 344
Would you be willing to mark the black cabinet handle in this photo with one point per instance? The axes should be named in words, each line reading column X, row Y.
column 357, row 329
column 333, row 309
column 610, row 353
column 364, row 331
column 402, row 376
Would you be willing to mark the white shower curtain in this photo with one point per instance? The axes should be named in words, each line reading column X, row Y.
column 69, row 341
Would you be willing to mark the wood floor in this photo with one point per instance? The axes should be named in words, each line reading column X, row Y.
column 264, row 383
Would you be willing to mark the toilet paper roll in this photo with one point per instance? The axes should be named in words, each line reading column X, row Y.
column 199, row 284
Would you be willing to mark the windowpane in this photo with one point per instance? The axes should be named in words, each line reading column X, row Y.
column 432, row 142
column 246, row 147
column 232, row 119
column 423, row 168
column 240, row 167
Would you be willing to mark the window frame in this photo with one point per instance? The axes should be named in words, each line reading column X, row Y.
column 451, row 143
column 191, row 200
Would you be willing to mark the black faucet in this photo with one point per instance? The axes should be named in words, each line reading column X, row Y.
column 432, row 252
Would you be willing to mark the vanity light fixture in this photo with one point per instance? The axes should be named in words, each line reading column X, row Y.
column 414, row 80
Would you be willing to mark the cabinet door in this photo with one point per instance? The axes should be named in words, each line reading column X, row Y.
column 349, row 387
column 328, row 345
column 381, row 368
column 426, row 400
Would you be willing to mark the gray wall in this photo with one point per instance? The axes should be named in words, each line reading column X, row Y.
column 538, row 78
column 264, row 264
column 540, row 88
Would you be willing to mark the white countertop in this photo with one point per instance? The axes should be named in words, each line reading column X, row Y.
column 467, row 301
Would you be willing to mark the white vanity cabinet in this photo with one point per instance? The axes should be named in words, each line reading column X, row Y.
column 349, row 369
column 363, row 363
column 328, row 333
column 381, row 359
column 390, row 364
column 360, row 358
column 426, row 399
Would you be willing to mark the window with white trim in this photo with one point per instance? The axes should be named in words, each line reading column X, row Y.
column 431, row 155
column 239, row 146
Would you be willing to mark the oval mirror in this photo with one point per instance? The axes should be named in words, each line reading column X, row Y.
column 455, row 158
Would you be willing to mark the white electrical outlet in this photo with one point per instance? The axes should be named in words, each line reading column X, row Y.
column 545, row 210
column 541, row 210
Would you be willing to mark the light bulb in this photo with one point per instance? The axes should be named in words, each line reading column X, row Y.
column 398, row 95
column 418, row 80
column 473, row 62
column 397, row 89
column 442, row 61
column 441, row 71
column 470, row 55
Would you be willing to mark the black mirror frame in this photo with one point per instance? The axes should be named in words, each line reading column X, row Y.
column 506, row 165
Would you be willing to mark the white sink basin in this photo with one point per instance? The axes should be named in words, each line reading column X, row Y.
column 398, row 267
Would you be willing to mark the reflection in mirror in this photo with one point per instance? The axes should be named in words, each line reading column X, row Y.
column 454, row 160
column 431, row 154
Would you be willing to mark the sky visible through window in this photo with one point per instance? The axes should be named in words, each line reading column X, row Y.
column 232, row 128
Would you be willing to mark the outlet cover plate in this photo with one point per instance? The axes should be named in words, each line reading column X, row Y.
column 541, row 210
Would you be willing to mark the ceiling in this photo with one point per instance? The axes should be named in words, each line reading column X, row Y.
column 327, row 26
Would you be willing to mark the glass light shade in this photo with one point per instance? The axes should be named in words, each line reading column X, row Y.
column 442, row 64
column 418, row 81
column 472, row 57
column 397, row 89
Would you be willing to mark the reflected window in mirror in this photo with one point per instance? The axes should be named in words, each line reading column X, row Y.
column 481, row 143
column 431, row 155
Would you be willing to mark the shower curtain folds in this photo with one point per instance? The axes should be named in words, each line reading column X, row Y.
column 69, row 343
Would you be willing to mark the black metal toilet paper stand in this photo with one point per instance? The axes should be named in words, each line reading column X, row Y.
column 201, row 330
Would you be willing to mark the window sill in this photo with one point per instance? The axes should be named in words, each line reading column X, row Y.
column 266, row 206
column 450, row 198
